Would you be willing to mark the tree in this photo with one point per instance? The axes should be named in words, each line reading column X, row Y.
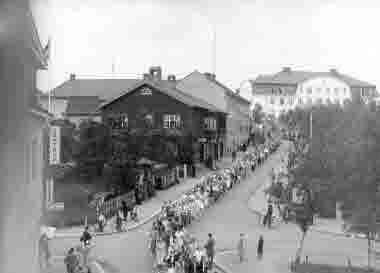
column 94, row 147
column 257, row 114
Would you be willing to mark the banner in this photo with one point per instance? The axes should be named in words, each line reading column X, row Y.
column 55, row 145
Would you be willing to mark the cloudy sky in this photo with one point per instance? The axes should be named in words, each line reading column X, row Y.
column 252, row 37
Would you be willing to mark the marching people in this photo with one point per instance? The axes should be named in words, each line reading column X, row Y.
column 260, row 247
column 175, row 250
column 269, row 215
column 241, row 247
column 125, row 210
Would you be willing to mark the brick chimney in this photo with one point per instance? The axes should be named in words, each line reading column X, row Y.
column 72, row 77
column 146, row 76
column 156, row 73
column 172, row 80
column 286, row 69
column 210, row 76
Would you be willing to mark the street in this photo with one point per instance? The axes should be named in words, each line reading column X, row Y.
column 226, row 220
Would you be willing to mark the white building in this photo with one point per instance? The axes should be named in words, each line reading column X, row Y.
column 289, row 89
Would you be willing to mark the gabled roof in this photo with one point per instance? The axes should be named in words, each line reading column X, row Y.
column 229, row 91
column 82, row 105
column 226, row 89
column 166, row 88
column 294, row 77
column 105, row 89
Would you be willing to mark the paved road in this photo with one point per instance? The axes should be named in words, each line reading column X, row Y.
column 232, row 216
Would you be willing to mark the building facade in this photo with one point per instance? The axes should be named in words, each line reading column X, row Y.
column 168, row 111
column 22, row 152
column 288, row 89
column 205, row 86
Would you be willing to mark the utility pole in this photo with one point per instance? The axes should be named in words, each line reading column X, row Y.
column 214, row 49
column 311, row 125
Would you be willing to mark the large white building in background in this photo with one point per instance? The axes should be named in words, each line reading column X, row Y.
column 288, row 89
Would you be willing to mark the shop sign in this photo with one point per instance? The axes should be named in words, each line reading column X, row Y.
column 55, row 145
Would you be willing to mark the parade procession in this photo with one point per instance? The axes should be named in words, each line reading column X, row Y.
column 172, row 247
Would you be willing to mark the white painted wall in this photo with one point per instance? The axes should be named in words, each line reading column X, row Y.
column 322, row 90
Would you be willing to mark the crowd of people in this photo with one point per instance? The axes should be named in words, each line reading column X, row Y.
column 172, row 248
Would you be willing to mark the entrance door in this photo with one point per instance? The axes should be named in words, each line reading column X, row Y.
column 216, row 151
column 221, row 149
column 202, row 152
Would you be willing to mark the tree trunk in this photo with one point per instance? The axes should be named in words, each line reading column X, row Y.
column 299, row 250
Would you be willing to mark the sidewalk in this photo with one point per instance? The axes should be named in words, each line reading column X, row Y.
column 150, row 208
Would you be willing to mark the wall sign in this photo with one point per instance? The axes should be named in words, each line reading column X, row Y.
column 55, row 145
column 146, row 91
column 202, row 139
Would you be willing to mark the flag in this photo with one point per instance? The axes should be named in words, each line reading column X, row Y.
column 47, row 51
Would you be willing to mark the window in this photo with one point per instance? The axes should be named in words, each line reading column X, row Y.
column 300, row 101
column 210, row 123
column 344, row 91
column 309, row 101
column 328, row 90
column 328, row 101
column 319, row 90
column 291, row 101
column 172, row 121
column 362, row 92
column 319, row 101
column 282, row 101
column 272, row 100
column 146, row 91
column 336, row 91
column 309, row 90
column 301, row 90
column 119, row 122
column 149, row 119
column 336, row 101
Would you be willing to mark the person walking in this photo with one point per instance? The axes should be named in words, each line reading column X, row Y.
column 210, row 251
column 260, row 248
column 71, row 261
column 269, row 215
column 44, row 250
column 101, row 222
column 241, row 247
column 86, row 237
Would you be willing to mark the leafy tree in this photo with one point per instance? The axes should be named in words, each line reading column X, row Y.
column 93, row 148
column 257, row 113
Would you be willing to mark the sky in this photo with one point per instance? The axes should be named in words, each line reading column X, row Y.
column 252, row 37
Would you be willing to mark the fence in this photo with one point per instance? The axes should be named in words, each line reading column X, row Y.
column 110, row 207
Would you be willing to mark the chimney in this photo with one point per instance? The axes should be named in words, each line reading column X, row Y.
column 72, row 77
column 286, row 69
column 333, row 71
column 210, row 76
column 172, row 81
column 146, row 76
column 171, row 78
column 156, row 73
column 238, row 91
